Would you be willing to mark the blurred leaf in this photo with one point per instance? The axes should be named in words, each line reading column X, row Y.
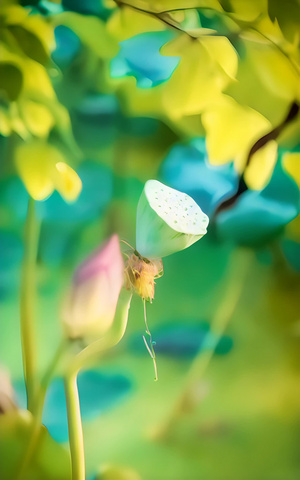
column 11, row 250
column 186, row 168
column 270, row 102
column 37, row 117
column 261, row 166
column 182, row 339
column 5, row 124
column 14, row 198
column 114, row 472
column 95, row 196
column 276, row 71
column 31, row 33
column 201, row 75
column 98, row 392
column 245, row 10
column 11, row 80
column 139, row 56
column 291, row 251
column 88, row 7
column 126, row 22
column 68, row 46
column 288, row 16
column 291, row 164
column 256, row 217
column 231, row 131
column 30, row 44
column 42, row 168
column 91, row 31
column 222, row 51
column 158, row 6
column 15, row 432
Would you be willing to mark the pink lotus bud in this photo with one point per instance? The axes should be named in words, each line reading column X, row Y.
column 90, row 306
column 7, row 394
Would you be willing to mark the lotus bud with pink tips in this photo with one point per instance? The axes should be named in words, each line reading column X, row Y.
column 7, row 394
column 90, row 306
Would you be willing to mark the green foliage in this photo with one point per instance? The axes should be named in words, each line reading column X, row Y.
column 15, row 434
column 226, row 70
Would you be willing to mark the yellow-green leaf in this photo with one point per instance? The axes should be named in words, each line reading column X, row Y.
column 291, row 163
column 127, row 22
column 92, row 32
column 42, row 169
column 261, row 166
column 197, row 80
column 37, row 117
column 231, row 131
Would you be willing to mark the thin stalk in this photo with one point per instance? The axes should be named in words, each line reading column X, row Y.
column 150, row 349
column 237, row 272
column 31, row 447
column 27, row 300
column 75, row 427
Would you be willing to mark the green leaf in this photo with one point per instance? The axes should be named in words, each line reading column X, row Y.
column 30, row 43
column 11, row 80
column 91, row 31
column 205, row 69
column 159, row 6
column 50, row 461
column 287, row 14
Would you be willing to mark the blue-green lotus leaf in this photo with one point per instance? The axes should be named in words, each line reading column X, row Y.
column 88, row 7
column 95, row 120
column 258, row 216
column 14, row 197
column 139, row 57
column 94, row 197
column 291, row 251
column 98, row 392
column 11, row 250
column 186, row 168
column 182, row 339
column 67, row 46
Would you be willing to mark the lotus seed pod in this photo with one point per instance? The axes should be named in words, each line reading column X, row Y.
column 167, row 221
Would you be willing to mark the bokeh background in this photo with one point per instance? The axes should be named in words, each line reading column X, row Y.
column 90, row 79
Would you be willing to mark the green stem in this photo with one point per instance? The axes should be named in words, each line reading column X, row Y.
column 31, row 446
column 237, row 272
column 27, row 299
column 75, row 427
column 38, row 413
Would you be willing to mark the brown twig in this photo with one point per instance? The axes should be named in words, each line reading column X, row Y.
column 260, row 143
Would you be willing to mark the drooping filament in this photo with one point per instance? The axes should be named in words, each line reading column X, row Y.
column 151, row 348
column 140, row 275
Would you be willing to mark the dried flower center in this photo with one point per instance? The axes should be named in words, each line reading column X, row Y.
column 141, row 274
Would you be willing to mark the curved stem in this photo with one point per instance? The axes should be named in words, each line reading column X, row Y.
column 27, row 299
column 237, row 272
column 75, row 427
